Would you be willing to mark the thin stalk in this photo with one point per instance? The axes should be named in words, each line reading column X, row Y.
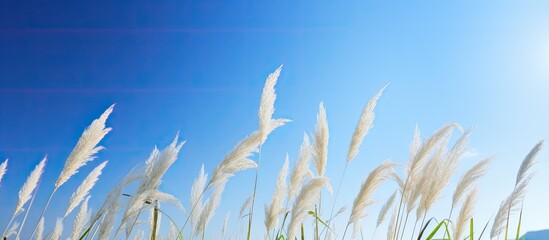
column 404, row 227
column 27, row 212
column 345, row 232
column 96, row 228
column 509, row 214
column 335, row 199
column 302, row 232
column 9, row 223
column 423, row 220
column 449, row 216
column 155, row 220
column 520, row 222
column 373, row 236
column 395, row 235
column 43, row 211
column 250, row 220
column 283, row 222
column 414, row 230
column 316, row 223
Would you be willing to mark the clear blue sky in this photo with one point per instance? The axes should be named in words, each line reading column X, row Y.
column 198, row 68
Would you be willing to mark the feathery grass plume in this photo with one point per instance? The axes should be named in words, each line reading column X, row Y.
column 82, row 217
column 304, row 202
column 413, row 185
column 139, row 235
column 25, row 193
column 156, row 166
column 225, row 224
column 365, row 123
column 237, row 160
column 86, row 148
column 266, row 107
column 148, row 196
column 107, row 223
column 83, row 190
column 174, row 231
column 432, row 182
column 3, row 169
column 385, row 209
column 210, row 207
column 445, row 168
column 465, row 214
column 12, row 230
column 301, row 169
column 273, row 210
column 528, row 161
column 320, row 146
column 40, row 229
column 469, row 178
column 419, row 152
column 398, row 180
column 508, row 206
column 341, row 210
column 111, row 204
column 245, row 207
column 197, row 195
column 57, row 230
column 391, row 231
column 364, row 196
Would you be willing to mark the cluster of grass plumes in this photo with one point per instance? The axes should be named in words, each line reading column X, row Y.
column 296, row 199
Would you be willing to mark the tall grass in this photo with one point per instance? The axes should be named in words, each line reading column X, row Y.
column 294, row 210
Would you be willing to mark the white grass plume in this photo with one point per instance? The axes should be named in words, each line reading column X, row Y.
column 392, row 227
column 12, row 230
column 139, row 235
column 25, row 193
column 305, row 202
column 301, row 169
column 413, row 185
column 275, row 208
column 365, row 123
column 528, row 162
column 83, row 190
column 510, row 203
column 149, row 196
column 86, row 148
column 81, row 219
column 225, row 224
column 465, row 214
column 111, row 205
column 197, row 195
column 57, row 230
column 266, row 107
column 469, row 178
column 40, row 229
column 369, row 186
column 3, row 169
column 174, row 232
column 210, row 207
column 418, row 153
column 156, row 166
column 445, row 166
column 320, row 145
column 385, row 209
column 245, row 207
column 237, row 160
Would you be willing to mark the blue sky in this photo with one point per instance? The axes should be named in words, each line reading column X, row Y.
column 199, row 67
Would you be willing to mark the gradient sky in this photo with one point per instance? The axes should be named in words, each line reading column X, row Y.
column 199, row 68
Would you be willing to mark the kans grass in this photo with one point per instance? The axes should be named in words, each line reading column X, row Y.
column 294, row 211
